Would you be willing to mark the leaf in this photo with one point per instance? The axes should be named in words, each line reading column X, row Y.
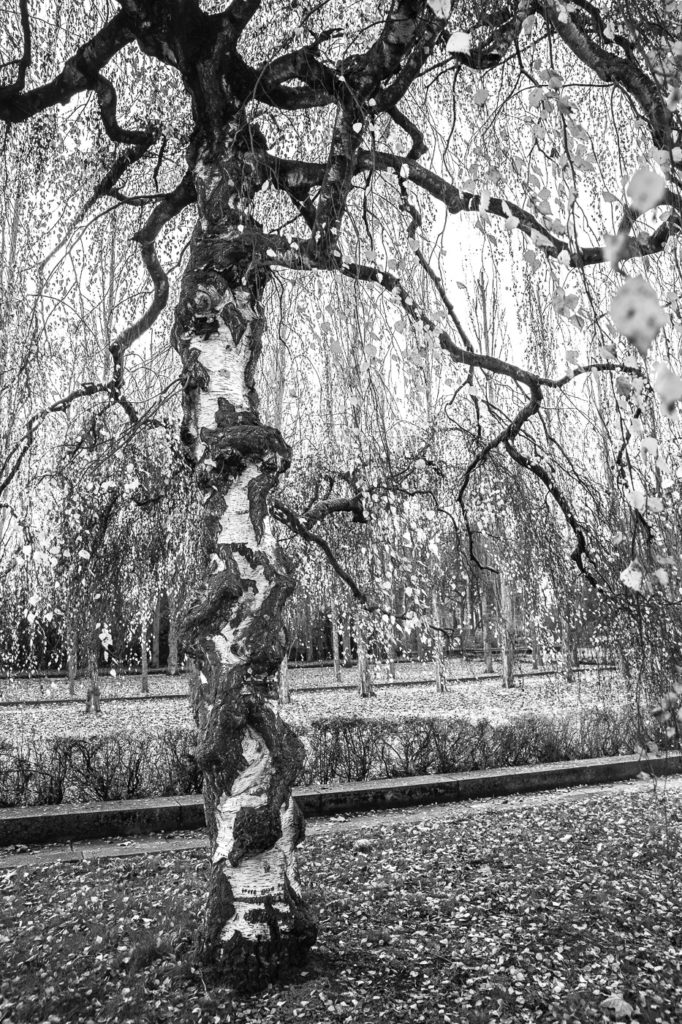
column 646, row 189
column 441, row 8
column 637, row 313
column 620, row 1007
column 668, row 385
column 632, row 576
column 459, row 42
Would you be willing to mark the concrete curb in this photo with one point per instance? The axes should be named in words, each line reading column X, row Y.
column 63, row 822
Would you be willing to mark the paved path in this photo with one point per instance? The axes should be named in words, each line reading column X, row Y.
column 12, row 858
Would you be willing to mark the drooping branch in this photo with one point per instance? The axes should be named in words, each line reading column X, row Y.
column 418, row 147
column 611, row 67
column 580, row 552
column 76, row 76
column 14, row 458
column 161, row 215
column 287, row 516
column 106, row 186
column 24, row 61
column 108, row 100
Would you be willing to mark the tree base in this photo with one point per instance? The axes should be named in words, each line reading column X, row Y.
column 250, row 964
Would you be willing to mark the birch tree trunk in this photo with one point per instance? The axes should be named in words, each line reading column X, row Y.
column 284, row 691
column 438, row 666
column 144, row 657
column 364, row 667
column 347, row 645
column 72, row 660
column 92, row 697
column 506, row 634
column 568, row 651
column 336, row 658
column 485, row 628
column 256, row 923
column 156, row 633
column 172, row 634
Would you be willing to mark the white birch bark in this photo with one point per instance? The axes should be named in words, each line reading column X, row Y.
column 256, row 922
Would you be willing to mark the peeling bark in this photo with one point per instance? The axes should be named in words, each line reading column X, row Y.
column 256, row 923
column 284, row 690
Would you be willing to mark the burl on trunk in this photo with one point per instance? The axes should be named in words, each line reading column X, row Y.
column 256, row 922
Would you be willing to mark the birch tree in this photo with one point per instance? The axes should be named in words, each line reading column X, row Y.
column 280, row 138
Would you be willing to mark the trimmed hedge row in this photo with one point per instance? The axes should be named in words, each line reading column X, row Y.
column 39, row 770
column 118, row 766
column 354, row 749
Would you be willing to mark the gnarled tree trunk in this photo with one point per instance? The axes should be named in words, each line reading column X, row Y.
column 256, row 923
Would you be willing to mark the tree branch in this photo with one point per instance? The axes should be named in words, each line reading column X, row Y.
column 76, row 76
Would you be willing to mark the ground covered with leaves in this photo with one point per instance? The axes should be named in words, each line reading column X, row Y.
column 546, row 911
column 301, row 678
column 471, row 700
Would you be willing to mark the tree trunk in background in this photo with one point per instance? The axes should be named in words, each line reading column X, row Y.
column 438, row 666
column 485, row 627
column 284, row 693
column 506, row 634
column 568, row 651
column 144, row 658
column 471, row 614
column 536, row 653
column 364, row 668
column 172, row 634
column 256, row 924
column 335, row 642
column 308, row 636
column 347, row 644
column 72, row 660
column 92, row 697
column 156, row 633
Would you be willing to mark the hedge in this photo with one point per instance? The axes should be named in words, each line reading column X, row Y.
column 35, row 769
column 41, row 770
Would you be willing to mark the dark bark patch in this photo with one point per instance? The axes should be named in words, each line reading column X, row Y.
column 255, row 829
column 258, row 490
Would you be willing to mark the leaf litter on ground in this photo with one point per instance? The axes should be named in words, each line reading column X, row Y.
column 549, row 911
column 484, row 698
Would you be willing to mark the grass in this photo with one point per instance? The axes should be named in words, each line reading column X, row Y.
column 537, row 913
